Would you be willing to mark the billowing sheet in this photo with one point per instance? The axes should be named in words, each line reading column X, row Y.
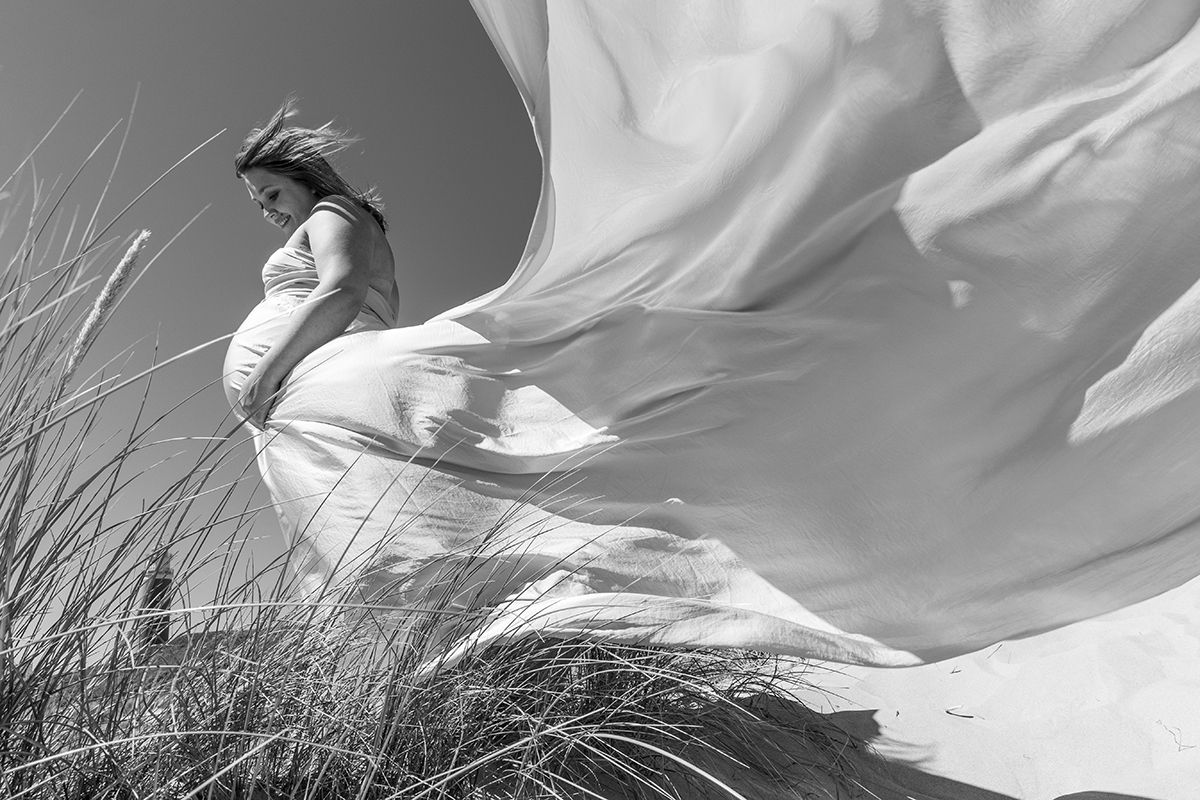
column 858, row 330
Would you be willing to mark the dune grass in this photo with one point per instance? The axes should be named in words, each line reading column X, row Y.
column 259, row 695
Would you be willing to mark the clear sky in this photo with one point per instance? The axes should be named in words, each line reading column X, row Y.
column 445, row 139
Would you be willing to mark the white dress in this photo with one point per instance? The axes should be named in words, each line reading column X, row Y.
column 865, row 331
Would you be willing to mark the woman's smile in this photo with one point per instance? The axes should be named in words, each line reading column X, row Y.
column 285, row 202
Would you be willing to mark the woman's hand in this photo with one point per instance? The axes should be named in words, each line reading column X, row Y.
column 259, row 393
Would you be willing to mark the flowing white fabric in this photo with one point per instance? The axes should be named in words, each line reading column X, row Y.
column 862, row 330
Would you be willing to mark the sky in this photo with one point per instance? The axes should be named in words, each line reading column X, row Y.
column 445, row 139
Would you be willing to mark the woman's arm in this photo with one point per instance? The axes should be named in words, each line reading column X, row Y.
column 342, row 246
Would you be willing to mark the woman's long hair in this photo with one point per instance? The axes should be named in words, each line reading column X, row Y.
column 300, row 154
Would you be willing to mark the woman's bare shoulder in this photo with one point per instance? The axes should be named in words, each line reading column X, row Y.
column 344, row 207
column 337, row 217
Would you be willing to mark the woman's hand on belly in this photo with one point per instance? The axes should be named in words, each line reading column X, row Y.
column 259, row 391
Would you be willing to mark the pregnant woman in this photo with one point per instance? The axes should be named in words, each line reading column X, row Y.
column 858, row 331
column 336, row 255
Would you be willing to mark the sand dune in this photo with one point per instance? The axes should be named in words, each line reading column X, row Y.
column 1106, row 709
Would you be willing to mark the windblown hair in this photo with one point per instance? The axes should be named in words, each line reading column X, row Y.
column 301, row 154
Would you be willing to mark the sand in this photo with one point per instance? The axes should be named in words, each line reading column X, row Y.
column 1103, row 709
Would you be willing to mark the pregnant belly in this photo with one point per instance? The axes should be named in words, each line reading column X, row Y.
column 416, row 390
column 262, row 328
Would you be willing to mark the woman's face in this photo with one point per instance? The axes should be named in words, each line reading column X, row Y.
column 285, row 202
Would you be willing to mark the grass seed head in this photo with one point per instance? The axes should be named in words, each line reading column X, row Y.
column 104, row 304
